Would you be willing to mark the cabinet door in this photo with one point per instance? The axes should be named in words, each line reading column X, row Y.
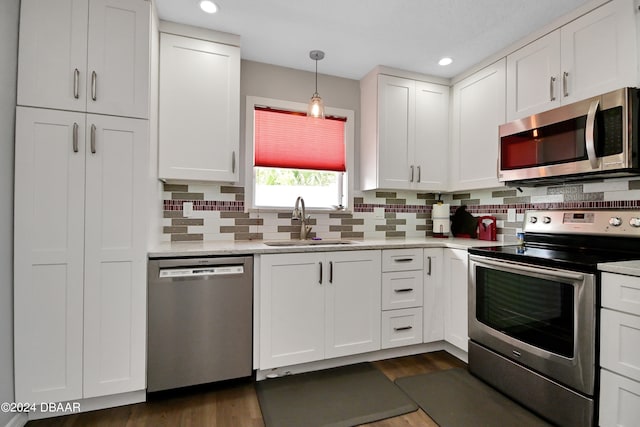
column 48, row 255
column 292, row 307
column 456, row 298
column 599, row 51
column 431, row 148
column 396, row 131
column 619, row 400
column 620, row 343
column 115, row 255
column 353, row 299
column 433, row 313
column 199, row 109
column 117, row 80
column 478, row 110
column 53, row 54
column 533, row 77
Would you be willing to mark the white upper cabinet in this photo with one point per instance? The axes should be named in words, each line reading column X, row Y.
column 85, row 55
column 478, row 110
column 404, row 133
column 199, row 109
column 593, row 54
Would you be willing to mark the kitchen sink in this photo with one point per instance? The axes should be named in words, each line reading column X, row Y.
column 308, row 242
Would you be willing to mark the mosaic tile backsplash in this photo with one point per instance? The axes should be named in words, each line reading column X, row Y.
column 218, row 211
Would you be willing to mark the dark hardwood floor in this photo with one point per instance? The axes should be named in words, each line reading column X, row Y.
column 236, row 404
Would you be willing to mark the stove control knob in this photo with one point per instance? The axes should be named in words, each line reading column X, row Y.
column 533, row 220
column 634, row 222
column 546, row 220
column 615, row 221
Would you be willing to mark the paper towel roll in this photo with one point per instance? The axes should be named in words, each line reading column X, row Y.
column 440, row 216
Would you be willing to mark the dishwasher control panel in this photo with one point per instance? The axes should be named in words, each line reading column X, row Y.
column 221, row 270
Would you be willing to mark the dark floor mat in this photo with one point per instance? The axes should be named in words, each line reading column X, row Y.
column 455, row 398
column 344, row 396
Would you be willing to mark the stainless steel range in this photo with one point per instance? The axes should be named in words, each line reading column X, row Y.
column 533, row 309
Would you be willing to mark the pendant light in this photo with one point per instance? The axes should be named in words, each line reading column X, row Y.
column 316, row 106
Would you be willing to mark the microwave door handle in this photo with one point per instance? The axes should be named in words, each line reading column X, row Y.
column 590, row 134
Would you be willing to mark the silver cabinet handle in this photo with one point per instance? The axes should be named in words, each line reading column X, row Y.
column 75, row 137
column 94, row 90
column 411, row 179
column 399, row 291
column 76, row 83
column 233, row 162
column 429, row 268
column 320, row 281
column 418, row 180
column 330, row 271
column 589, row 136
column 403, row 328
column 565, row 84
column 93, row 139
column 552, row 88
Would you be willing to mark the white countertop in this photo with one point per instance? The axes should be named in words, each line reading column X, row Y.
column 217, row 248
column 630, row 268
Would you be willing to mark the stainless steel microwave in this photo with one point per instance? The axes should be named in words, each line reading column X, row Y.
column 597, row 137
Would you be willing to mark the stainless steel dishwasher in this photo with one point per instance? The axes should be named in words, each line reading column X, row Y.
column 199, row 321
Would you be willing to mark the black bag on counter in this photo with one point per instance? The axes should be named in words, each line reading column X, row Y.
column 463, row 224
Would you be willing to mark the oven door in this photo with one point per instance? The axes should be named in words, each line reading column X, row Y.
column 542, row 318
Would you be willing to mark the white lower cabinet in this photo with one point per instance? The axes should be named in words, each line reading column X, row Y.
column 401, row 327
column 79, row 255
column 455, row 263
column 402, row 297
column 620, row 351
column 319, row 305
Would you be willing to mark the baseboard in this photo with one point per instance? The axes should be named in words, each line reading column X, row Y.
column 357, row 358
column 18, row 420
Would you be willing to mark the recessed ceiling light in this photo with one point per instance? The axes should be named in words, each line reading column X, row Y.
column 445, row 61
column 208, row 6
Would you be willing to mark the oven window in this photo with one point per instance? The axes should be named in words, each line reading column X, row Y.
column 536, row 311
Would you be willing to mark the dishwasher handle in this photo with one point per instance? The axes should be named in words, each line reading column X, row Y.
column 220, row 270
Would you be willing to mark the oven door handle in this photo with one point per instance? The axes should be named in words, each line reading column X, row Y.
column 506, row 265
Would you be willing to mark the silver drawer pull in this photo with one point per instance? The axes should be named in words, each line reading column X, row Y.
column 403, row 328
column 403, row 260
column 93, row 139
column 403, row 290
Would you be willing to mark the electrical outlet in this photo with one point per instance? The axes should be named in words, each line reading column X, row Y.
column 187, row 209
column 378, row 213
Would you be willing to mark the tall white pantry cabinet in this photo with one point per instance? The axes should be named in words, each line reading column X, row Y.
column 80, row 176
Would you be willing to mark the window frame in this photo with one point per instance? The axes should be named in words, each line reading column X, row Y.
column 349, row 135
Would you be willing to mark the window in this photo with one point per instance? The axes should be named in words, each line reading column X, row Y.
column 293, row 155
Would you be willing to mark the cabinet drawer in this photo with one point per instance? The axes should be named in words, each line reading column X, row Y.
column 619, row 400
column 402, row 259
column 401, row 327
column 402, row 289
column 620, row 343
column 621, row 292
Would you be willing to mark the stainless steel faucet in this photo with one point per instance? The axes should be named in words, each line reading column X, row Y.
column 302, row 216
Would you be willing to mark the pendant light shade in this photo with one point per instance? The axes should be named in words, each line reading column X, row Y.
column 316, row 106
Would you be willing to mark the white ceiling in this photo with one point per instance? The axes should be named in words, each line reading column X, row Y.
column 357, row 35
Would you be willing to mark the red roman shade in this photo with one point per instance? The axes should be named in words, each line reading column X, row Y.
column 285, row 139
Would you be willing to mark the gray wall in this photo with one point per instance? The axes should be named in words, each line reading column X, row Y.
column 9, row 16
column 271, row 81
